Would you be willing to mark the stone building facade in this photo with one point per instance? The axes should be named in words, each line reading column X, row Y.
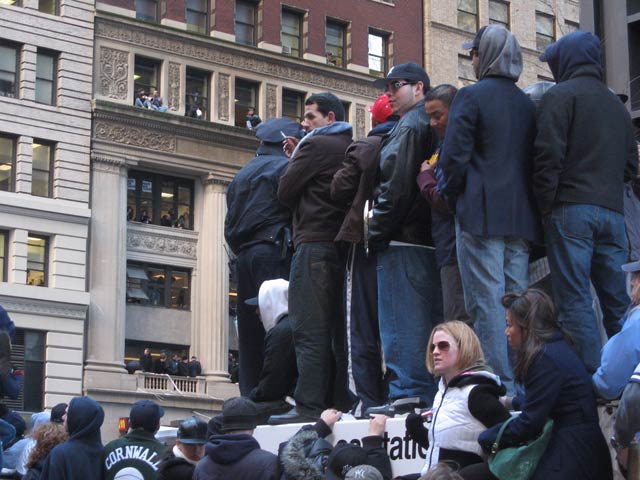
column 46, row 53
column 535, row 23
column 158, row 263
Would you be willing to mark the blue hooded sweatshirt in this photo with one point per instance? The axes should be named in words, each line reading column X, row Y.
column 79, row 457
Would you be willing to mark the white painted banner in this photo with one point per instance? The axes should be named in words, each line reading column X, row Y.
column 406, row 456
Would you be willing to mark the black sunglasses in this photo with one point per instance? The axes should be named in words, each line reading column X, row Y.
column 443, row 346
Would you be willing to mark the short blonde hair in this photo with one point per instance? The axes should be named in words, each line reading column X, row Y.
column 469, row 349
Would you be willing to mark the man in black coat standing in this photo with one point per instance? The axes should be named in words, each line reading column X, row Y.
column 584, row 152
column 258, row 229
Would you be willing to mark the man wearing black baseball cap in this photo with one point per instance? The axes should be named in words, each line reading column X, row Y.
column 486, row 163
column 179, row 462
column 400, row 233
column 144, row 422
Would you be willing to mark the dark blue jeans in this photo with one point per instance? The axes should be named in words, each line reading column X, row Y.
column 317, row 321
column 257, row 263
column 409, row 306
column 587, row 242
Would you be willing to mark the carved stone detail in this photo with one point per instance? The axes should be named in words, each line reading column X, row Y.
column 41, row 307
column 360, row 120
column 223, row 96
column 272, row 103
column 160, row 243
column 136, row 137
column 237, row 59
column 114, row 73
column 107, row 163
column 174, row 87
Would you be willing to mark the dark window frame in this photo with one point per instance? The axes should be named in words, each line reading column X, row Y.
column 165, row 298
column 52, row 152
column 202, row 98
column 462, row 11
column 240, row 120
column 156, row 15
column 495, row 21
column 192, row 27
column 28, row 354
column 384, row 59
column 4, row 254
column 56, row 8
column 45, row 267
column 16, row 73
column 152, row 63
column 543, row 38
column 12, row 180
column 253, row 5
column 54, row 75
column 299, row 17
column 338, row 61
column 300, row 98
column 156, row 196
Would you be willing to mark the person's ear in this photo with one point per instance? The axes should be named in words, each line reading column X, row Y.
column 331, row 117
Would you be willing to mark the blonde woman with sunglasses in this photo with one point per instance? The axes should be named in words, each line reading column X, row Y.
column 467, row 401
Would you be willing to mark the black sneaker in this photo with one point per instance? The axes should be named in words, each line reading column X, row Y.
column 399, row 406
column 291, row 417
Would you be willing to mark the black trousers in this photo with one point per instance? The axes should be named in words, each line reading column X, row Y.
column 255, row 264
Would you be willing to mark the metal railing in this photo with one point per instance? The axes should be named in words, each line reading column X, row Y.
column 164, row 383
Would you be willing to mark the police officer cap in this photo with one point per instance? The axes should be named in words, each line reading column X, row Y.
column 269, row 131
column 192, row 431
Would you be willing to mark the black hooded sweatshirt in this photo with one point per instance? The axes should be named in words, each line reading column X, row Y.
column 78, row 457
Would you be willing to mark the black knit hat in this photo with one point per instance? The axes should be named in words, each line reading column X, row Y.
column 239, row 413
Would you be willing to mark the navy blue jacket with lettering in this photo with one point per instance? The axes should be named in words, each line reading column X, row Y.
column 79, row 456
column 137, row 450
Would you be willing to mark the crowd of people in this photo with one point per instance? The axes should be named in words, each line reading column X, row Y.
column 436, row 217
column 167, row 363
column 153, row 102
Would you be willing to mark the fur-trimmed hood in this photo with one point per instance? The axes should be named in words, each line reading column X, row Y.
column 304, row 457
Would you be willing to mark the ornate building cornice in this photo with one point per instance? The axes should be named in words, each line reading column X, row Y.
column 161, row 241
column 219, row 52
column 43, row 308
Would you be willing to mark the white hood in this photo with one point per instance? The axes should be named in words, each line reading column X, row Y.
column 273, row 300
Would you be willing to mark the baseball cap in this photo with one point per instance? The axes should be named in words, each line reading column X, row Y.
column 58, row 412
column 192, row 431
column 475, row 43
column 381, row 109
column 364, row 472
column 405, row 71
column 239, row 413
column 343, row 458
column 632, row 266
column 145, row 414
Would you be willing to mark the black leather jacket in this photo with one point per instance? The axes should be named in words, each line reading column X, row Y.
column 400, row 213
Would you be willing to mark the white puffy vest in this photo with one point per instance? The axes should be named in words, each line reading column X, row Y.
column 452, row 425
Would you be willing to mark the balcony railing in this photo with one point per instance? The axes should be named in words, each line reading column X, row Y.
column 163, row 383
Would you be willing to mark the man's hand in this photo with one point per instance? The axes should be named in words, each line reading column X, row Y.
column 425, row 166
column 377, row 425
column 289, row 144
column 330, row 416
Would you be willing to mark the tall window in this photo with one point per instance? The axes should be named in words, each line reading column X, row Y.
column 197, row 15
column 28, row 354
column 160, row 200
column 347, row 110
column 246, row 98
column 46, row 67
column 146, row 74
column 4, row 240
column 158, row 286
column 499, row 13
column 335, row 41
column 292, row 104
column 468, row 15
column 197, row 91
column 466, row 75
column 147, row 10
column 545, row 30
column 246, row 20
column 291, row 34
column 7, row 162
column 48, row 6
column 37, row 260
column 378, row 53
column 570, row 26
column 8, row 69
column 42, row 167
